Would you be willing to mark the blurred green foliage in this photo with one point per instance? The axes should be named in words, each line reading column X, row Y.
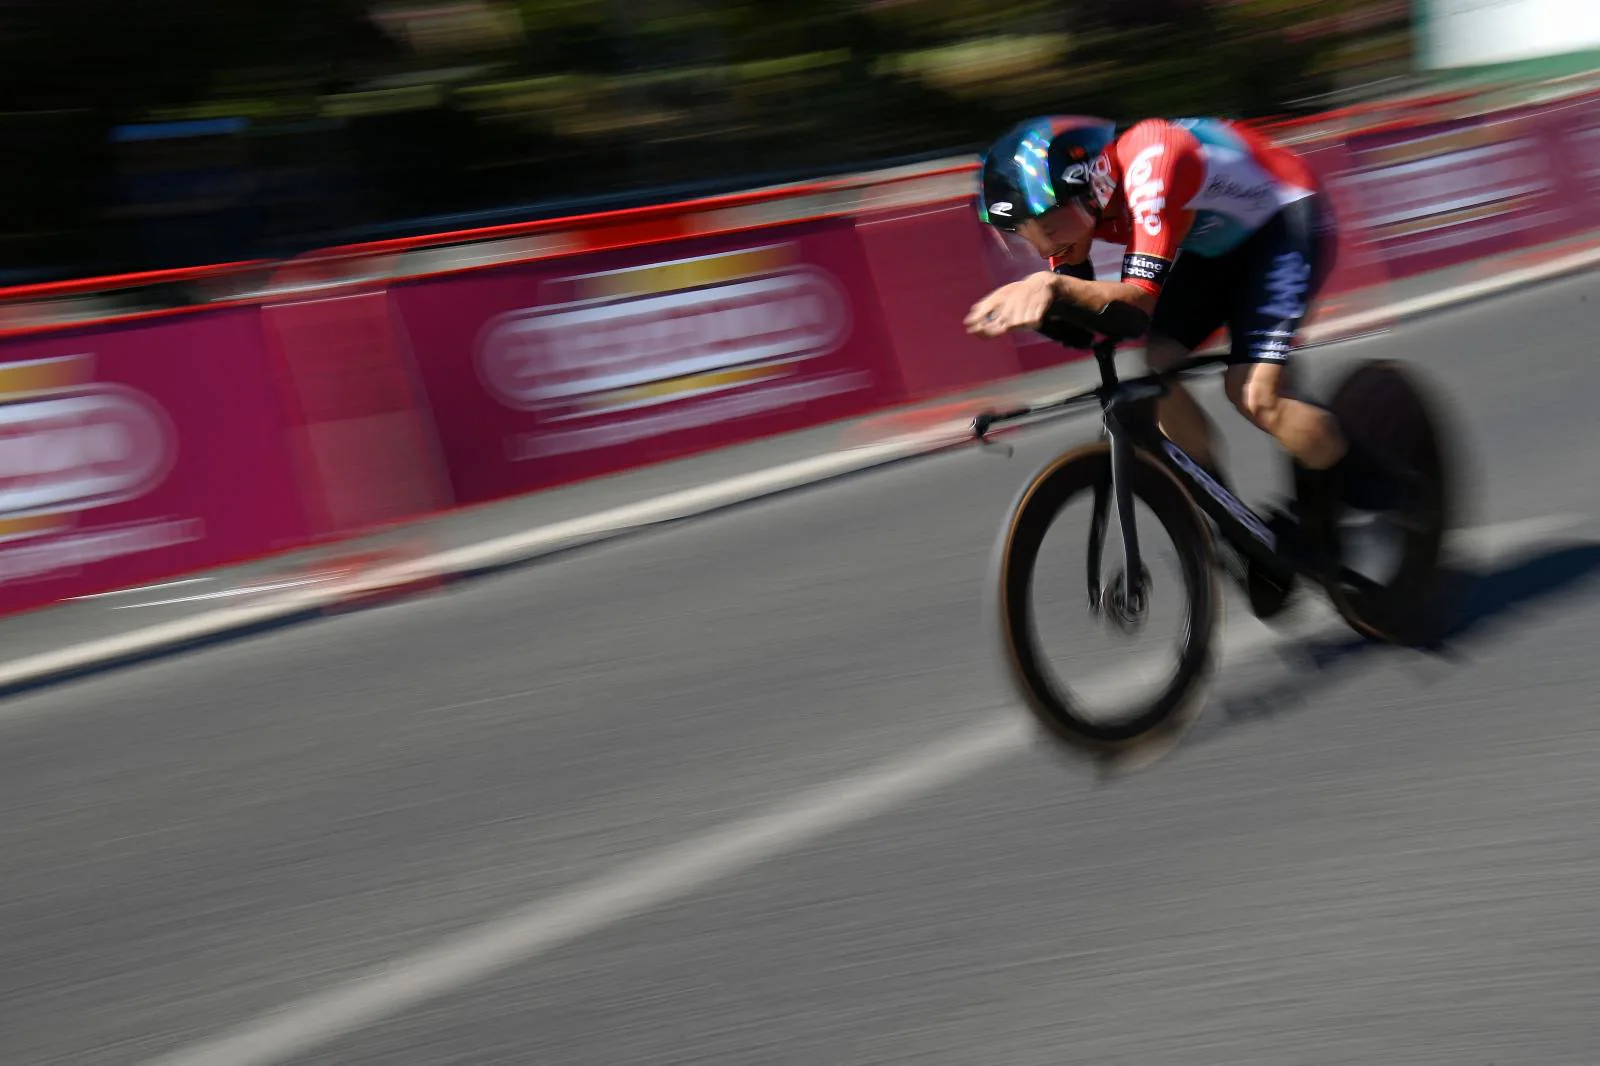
column 364, row 115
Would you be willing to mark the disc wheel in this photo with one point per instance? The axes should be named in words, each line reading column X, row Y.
column 1382, row 407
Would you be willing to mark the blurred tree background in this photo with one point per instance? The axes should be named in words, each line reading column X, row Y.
column 142, row 134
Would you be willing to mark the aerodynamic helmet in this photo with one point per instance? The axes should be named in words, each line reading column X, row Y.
column 1040, row 164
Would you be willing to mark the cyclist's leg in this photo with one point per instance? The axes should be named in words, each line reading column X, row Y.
column 1193, row 305
column 1293, row 256
column 1287, row 263
column 1307, row 431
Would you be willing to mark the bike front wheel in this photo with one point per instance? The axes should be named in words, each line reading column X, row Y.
column 1159, row 720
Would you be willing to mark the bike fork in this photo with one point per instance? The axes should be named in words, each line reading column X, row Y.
column 1097, row 539
column 1122, row 493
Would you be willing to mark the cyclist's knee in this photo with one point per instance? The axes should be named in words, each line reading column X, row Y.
column 1253, row 390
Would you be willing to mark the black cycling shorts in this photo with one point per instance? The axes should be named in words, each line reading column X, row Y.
column 1261, row 290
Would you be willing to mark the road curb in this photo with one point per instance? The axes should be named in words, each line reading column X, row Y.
column 387, row 582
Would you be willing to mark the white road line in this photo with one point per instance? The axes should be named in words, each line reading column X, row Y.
column 679, row 869
column 199, row 597
column 144, row 588
column 667, row 874
column 165, row 634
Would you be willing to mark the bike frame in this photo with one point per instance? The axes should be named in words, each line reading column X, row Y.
column 1128, row 412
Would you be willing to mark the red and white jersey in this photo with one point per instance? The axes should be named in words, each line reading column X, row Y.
column 1201, row 185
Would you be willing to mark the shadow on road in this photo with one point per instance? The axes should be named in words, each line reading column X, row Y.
column 1477, row 603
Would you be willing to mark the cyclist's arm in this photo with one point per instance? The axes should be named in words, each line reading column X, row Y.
column 1096, row 295
column 1162, row 168
column 1075, row 283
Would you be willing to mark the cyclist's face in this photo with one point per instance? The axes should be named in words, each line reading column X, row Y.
column 1066, row 233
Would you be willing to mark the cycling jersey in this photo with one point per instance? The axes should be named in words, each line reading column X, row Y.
column 1261, row 289
column 1199, row 185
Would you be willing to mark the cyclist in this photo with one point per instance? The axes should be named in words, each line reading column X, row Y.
column 1221, row 227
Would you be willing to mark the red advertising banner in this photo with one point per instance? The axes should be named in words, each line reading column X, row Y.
column 1578, row 131
column 1357, row 264
column 1434, row 195
column 551, row 372
column 360, row 439
column 132, row 454
column 929, row 268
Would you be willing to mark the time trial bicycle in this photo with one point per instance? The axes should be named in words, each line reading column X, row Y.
column 1380, row 404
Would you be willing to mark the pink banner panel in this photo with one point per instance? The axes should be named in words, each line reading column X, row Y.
column 131, row 454
column 551, row 372
column 358, row 431
column 929, row 268
column 1436, row 195
column 1576, row 126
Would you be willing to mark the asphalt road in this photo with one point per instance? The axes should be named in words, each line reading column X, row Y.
column 1361, row 856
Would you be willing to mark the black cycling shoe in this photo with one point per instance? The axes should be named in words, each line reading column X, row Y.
column 1306, row 553
column 1365, row 481
column 1264, row 590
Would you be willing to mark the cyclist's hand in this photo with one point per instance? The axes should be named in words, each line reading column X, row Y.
column 1019, row 305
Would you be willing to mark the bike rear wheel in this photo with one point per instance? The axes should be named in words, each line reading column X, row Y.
column 1383, row 408
column 1161, row 720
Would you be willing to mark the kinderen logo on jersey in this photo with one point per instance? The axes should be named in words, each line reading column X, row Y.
column 1146, row 194
column 1145, row 267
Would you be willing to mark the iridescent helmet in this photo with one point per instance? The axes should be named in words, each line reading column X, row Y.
column 1040, row 164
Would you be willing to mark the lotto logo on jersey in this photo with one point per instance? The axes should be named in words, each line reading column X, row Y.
column 1146, row 193
column 1150, row 268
